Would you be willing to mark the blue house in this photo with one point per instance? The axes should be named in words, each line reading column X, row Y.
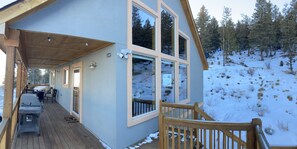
column 111, row 61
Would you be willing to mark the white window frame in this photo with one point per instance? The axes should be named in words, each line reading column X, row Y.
column 64, row 82
column 158, row 56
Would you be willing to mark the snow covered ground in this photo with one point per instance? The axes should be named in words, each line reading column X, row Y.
column 249, row 88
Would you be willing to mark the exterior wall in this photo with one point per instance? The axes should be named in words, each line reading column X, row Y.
column 105, row 88
column 98, row 99
column 96, row 19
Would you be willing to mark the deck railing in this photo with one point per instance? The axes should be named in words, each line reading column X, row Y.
column 4, row 129
column 189, row 126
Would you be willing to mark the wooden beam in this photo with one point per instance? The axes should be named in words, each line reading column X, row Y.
column 190, row 19
column 8, row 91
column 13, row 38
column 22, row 9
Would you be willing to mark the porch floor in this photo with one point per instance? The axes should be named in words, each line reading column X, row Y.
column 56, row 132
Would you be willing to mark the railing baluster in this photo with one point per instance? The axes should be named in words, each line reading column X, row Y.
column 239, row 143
column 224, row 140
column 172, row 137
column 197, row 139
column 214, row 138
column 219, row 140
column 191, row 138
column 204, row 134
column 232, row 139
column 185, row 137
column 210, row 138
column 178, row 137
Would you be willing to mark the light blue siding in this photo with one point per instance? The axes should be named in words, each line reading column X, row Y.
column 105, row 88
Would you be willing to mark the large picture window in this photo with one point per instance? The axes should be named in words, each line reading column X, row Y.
column 143, row 85
column 167, row 76
column 167, row 32
column 183, row 82
column 159, row 66
column 143, row 28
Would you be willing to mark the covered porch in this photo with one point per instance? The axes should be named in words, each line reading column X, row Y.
column 56, row 132
column 27, row 49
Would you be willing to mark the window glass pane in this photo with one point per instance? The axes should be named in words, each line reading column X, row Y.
column 182, row 48
column 143, row 85
column 143, row 28
column 66, row 74
column 167, row 90
column 167, row 32
column 183, row 82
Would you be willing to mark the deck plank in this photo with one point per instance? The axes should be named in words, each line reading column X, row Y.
column 56, row 133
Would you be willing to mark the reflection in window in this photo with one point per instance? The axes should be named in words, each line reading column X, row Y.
column 167, row 33
column 167, row 90
column 183, row 82
column 143, row 28
column 143, row 85
column 182, row 48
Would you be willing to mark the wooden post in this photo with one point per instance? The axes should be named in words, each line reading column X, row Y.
column 161, row 116
column 8, row 91
column 195, row 116
column 251, row 134
column 19, row 80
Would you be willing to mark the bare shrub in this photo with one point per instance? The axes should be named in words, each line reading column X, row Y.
column 283, row 125
column 251, row 71
column 281, row 63
column 268, row 65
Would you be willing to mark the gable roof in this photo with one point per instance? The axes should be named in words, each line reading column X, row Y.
column 23, row 8
column 191, row 22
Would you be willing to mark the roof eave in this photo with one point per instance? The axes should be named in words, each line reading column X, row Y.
column 191, row 22
column 21, row 9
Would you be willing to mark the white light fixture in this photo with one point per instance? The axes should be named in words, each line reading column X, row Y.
column 124, row 53
column 49, row 39
column 93, row 65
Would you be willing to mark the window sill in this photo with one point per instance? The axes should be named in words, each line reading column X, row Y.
column 132, row 121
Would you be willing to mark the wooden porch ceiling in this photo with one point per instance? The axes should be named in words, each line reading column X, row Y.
column 46, row 50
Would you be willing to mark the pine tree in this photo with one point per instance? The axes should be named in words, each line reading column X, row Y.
column 201, row 23
column 228, row 35
column 136, row 26
column 242, row 33
column 289, row 30
column 213, row 36
column 261, row 30
column 277, row 34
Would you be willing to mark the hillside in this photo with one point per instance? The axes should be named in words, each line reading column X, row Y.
column 248, row 88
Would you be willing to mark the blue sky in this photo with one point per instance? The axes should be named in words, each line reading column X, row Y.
column 238, row 7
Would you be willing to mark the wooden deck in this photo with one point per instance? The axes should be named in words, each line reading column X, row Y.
column 57, row 133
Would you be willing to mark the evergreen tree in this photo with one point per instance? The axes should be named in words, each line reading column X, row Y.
column 201, row 23
column 136, row 26
column 213, row 36
column 289, row 30
column 262, row 27
column 277, row 34
column 228, row 35
column 242, row 33
column 147, row 35
column 34, row 76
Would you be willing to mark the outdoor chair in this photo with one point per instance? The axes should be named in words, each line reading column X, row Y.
column 51, row 94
